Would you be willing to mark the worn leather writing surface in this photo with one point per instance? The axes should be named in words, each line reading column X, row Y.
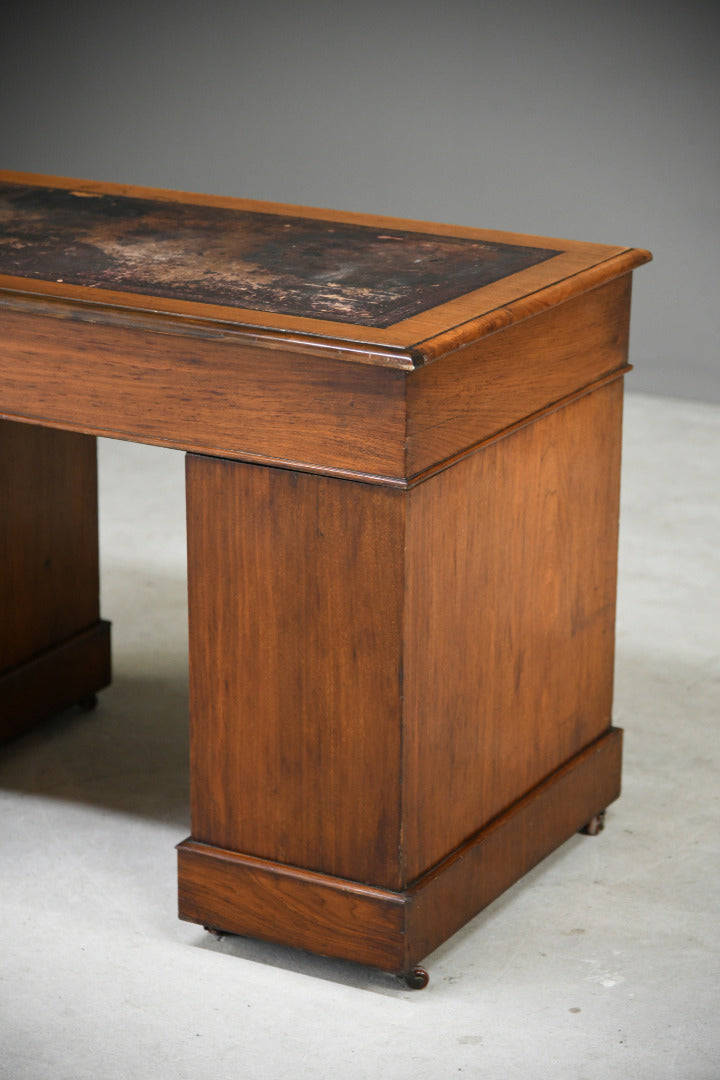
column 290, row 265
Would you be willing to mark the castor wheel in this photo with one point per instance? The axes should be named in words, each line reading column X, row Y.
column 88, row 703
column 219, row 934
column 595, row 825
column 417, row 979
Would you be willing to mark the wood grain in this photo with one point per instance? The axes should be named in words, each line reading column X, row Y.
column 295, row 609
column 394, row 930
column 332, row 623
column 512, row 844
column 64, row 675
column 350, row 419
column 509, row 620
column 579, row 266
column 483, row 389
column 48, row 539
column 402, row 549
column 53, row 648
column 207, row 396
column 238, row 894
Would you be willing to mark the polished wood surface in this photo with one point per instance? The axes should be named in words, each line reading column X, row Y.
column 48, row 538
column 268, row 900
column 484, row 389
column 202, row 378
column 509, row 620
column 214, row 397
column 402, row 538
column 578, row 267
column 511, row 844
column 395, row 646
column 69, row 673
column 296, row 667
column 380, row 927
column 53, row 649
column 233, row 400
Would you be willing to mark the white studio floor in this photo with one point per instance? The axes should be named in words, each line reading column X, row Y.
column 604, row 962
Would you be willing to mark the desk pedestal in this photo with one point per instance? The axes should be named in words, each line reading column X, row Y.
column 400, row 697
column 402, row 485
column 54, row 648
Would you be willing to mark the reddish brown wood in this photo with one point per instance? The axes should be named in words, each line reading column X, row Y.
column 224, row 380
column 256, row 897
column 490, row 862
column 402, row 546
column 54, row 650
column 233, row 400
column 295, row 607
column 65, row 675
column 501, row 380
column 358, row 653
column 48, row 539
column 214, row 396
column 578, row 267
column 393, row 930
column 509, row 620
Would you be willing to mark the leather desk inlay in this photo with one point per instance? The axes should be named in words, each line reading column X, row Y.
column 268, row 262
column 403, row 487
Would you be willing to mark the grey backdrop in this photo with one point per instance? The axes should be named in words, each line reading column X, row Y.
column 585, row 119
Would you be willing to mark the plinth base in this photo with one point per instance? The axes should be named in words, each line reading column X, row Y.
column 54, row 680
column 391, row 930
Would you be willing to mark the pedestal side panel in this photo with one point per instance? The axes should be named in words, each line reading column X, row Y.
column 295, row 589
column 509, row 620
column 48, row 539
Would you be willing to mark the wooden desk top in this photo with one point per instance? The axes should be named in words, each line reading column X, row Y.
column 386, row 291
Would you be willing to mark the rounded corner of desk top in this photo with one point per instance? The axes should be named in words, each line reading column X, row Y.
column 386, row 291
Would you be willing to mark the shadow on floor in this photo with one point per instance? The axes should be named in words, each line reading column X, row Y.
column 130, row 754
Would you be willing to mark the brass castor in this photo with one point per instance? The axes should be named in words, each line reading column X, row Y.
column 88, row 703
column 595, row 825
column 417, row 979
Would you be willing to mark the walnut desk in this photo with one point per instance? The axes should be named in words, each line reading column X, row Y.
column 403, row 459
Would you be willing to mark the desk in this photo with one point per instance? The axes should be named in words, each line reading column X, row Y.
column 403, row 461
